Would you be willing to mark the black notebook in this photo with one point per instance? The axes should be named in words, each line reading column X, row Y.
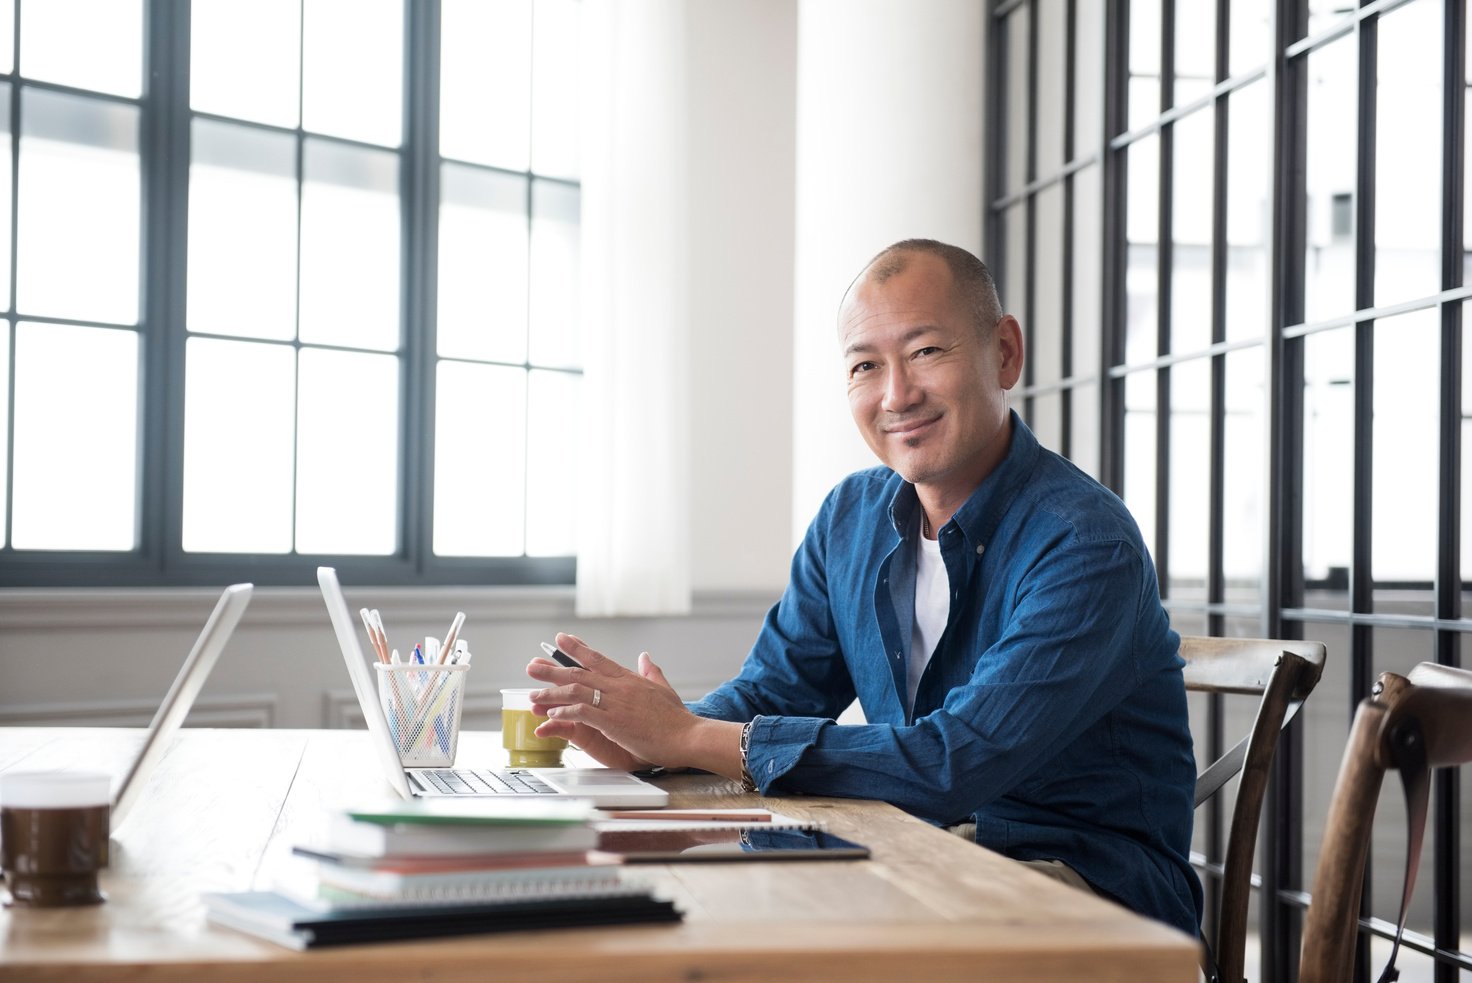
column 280, row 919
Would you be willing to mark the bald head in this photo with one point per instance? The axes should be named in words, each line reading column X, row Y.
column 970, row 278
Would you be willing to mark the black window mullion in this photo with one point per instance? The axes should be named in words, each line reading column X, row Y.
column 1361, row 583
column 165, row 166
column 1115, row 264
column 1164, row 267
column 1065, row 327
column 420, row 176
column 1287, row 79
column 1215, row 574
column 1447, row 803
column 14, row 252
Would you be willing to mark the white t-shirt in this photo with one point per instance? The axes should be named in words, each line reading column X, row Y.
column 932, row 608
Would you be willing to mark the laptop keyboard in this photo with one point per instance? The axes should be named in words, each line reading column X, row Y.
column 466, row 782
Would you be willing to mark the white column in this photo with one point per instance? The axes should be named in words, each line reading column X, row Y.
column 889, row 147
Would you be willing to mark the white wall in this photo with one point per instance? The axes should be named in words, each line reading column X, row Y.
column 889, row 147
column 741, row 130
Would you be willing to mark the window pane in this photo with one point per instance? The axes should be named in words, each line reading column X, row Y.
column 1329, row 263
column 1139, row 452
column 1046, row 419
column 1142, row 293
column 1405, row 489
column 5, row 179
column 88, row 44
column 79, row 203
column 1328, row 463
column 76, row 460
column 1466, row 435
column 1324, row 722
column 1088, row 78
column 347, row 457
column 354, row 90
column 1019, row 113
column 1408, row 154
column 1190, row 478
column 7, row 36
column 1324, row 14
column 1088, row 251
column 485, row 81
column 480, row 460
column 555, row 70
column 1191, row 201
column 1144, row 90
column 1250, row 41
column 482, row 265
column 554, row 275
column 1083, row 428
column 1012, row 284
column 1467, row 172
column 239, row 422
column 1051, row 89
column 4, row 423
column 1195, row 68
column 350, row 247
column 242, row 231
column 245, row 60
column 1046, row 317
column 1242, row 478
column 555, row 410
column 1249, row 155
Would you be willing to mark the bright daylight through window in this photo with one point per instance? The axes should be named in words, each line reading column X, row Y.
column 321, row 297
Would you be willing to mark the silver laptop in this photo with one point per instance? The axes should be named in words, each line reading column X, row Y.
column 180, row 698
column 605, row 787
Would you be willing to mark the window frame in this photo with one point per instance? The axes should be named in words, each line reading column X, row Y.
column 1283, row 606
column 164, row 151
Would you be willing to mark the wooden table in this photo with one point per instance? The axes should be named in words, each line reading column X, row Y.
column 225, row 806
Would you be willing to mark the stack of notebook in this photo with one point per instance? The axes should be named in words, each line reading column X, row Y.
column 445, row 867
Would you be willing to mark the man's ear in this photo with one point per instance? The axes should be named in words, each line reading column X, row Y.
column 1007, row 336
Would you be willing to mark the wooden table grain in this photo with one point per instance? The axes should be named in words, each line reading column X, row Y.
column 225, row 806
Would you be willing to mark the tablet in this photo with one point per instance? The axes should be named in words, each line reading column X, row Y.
column 746, row 843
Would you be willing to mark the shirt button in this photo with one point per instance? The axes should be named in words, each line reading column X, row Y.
column 980, row 549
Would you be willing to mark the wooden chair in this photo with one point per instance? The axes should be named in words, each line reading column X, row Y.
column 1411, row 724
column 1282, row 673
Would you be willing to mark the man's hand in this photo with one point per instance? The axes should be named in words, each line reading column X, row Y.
column 627, row 719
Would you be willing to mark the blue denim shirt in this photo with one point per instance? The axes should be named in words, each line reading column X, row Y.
column 1053, row 710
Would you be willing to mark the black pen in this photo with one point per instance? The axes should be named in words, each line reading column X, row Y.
column 561, row 656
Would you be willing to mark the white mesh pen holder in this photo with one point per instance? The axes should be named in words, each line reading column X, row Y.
column 422, row 705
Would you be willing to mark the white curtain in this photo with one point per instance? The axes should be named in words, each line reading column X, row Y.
column 633, row 517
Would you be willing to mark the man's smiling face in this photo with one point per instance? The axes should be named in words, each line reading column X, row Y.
column 926, row 383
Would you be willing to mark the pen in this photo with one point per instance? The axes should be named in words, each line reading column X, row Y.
column 418, row 657
column 561, row 656
column 448, row 648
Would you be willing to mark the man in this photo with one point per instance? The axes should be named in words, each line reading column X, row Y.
column 992, row 608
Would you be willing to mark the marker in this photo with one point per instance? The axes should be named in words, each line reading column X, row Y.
column 561, row 656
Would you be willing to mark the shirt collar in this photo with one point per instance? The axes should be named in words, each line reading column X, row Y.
column 979, row 516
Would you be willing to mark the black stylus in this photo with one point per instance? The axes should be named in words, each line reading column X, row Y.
column 561, row 656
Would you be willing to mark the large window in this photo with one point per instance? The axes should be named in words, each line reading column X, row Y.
column 1236, row 233
column 288, row 281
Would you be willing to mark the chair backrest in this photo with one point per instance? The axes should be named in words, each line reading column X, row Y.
column 1413, row 723
column 1282, row 673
